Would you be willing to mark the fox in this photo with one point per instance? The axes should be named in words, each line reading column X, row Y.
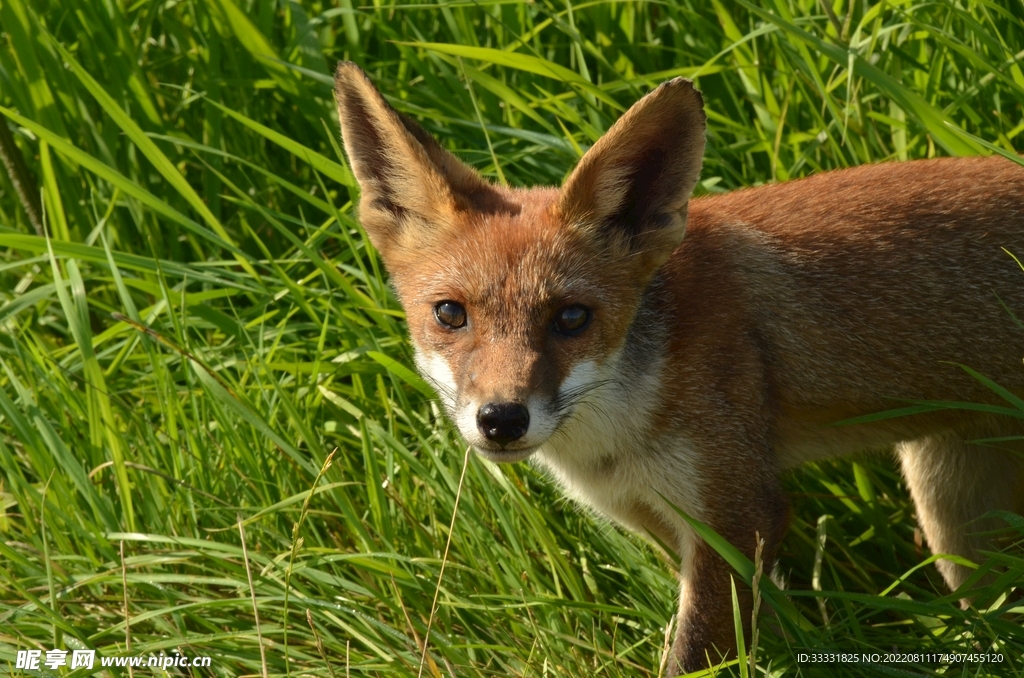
column 654, row 352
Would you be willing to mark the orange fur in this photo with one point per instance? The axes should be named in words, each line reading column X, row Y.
column 711, row 363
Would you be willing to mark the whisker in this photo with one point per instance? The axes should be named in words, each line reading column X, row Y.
column 442, row 389
column 572, row 397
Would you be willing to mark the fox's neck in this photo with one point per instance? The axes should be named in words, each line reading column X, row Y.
column 612, row 424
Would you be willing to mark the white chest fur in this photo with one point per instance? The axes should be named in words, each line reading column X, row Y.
column 607, row 457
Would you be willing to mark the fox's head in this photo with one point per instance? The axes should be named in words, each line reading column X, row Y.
column 518, row 300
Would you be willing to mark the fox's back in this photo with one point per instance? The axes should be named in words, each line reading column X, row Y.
column 856, row 285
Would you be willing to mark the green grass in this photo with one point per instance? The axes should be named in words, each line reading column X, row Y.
column 206, row 324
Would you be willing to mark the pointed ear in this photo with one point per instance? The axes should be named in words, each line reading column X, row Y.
column 631, row 188
column 406, row 178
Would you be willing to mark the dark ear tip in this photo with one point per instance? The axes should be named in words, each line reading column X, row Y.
column 346, row 72
column 685, row 89
column 679, row 81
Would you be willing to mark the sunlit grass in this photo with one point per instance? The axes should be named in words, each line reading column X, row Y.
column 206, row 324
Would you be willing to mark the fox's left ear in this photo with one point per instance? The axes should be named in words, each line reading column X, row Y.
column 410, row 185
column 632, row 187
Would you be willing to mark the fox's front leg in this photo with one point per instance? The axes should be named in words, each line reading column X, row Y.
column 705, row 630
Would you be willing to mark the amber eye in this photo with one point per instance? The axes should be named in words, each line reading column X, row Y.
column 571, row 320
column 451, row 314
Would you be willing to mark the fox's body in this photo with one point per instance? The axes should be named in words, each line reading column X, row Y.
column 789, row 308
column 644, row 369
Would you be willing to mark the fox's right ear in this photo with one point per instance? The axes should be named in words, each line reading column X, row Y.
column 410, row 185
column 632, row 187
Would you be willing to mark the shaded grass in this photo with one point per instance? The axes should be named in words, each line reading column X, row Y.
column 206, row 324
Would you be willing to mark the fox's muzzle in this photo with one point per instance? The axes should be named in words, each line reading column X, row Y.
column 503, row 423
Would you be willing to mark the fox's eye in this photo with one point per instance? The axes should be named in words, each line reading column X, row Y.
column 571, row 320
column 451, row 314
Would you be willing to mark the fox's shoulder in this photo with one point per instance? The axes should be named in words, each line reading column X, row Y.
column 872, row 198
column 854, row 238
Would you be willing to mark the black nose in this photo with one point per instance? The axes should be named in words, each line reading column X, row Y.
column 503, row 422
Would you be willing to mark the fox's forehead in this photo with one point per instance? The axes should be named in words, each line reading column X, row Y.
column 525, row 258
column 521, row 264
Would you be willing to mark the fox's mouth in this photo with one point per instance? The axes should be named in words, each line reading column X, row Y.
column 505, row 455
